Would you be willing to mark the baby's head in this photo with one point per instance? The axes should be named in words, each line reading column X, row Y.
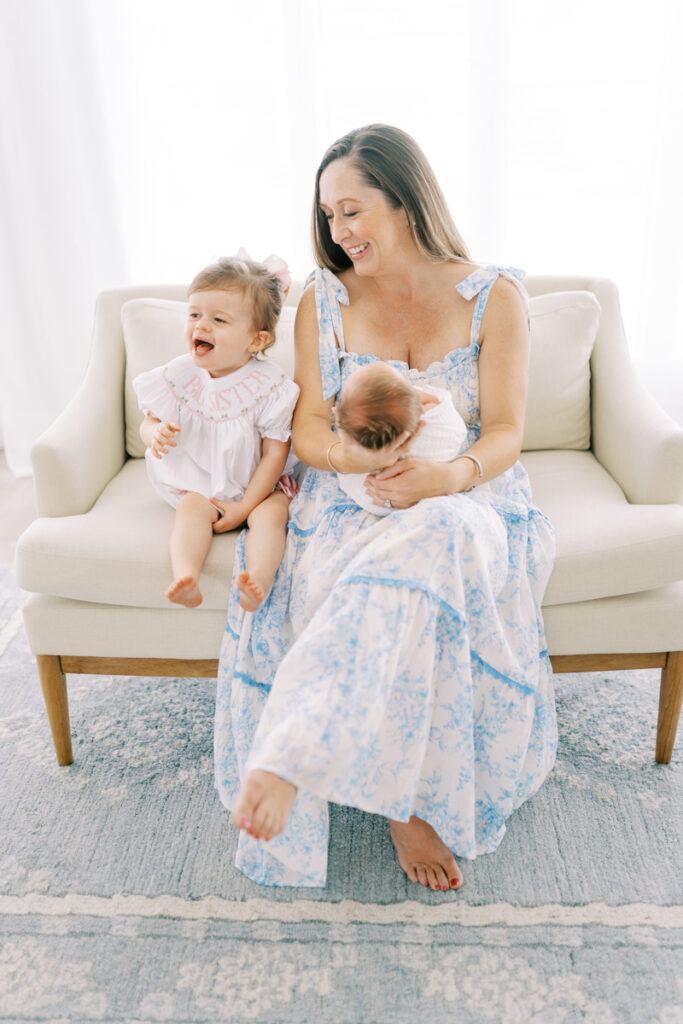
column 260, row 288
column 376, row 405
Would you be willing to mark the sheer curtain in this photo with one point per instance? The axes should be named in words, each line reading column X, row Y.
column 142, row 138
column 59, row 241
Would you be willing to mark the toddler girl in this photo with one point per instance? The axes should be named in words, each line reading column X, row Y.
column 377, row 405
column 217, row 427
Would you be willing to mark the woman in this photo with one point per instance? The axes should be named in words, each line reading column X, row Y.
column 398, row 664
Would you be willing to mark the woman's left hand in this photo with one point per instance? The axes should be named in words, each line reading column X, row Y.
column 411, row 479
column 406, row 482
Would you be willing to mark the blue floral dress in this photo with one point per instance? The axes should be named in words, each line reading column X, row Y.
column 398, row 664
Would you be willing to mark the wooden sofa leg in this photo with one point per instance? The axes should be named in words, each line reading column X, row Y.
column 670, row 699
column 53, row 682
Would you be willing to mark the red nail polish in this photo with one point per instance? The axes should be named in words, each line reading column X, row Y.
column 246, row 823
column 454, row 882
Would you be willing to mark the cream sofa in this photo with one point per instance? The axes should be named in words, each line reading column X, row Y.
column 605, row 462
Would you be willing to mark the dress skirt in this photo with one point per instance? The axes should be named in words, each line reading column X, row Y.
column 398, row 666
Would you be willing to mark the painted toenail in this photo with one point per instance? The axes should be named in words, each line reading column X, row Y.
column 454, row 881
column 246, row 823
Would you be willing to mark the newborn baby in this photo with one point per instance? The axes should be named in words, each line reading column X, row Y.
column 377, row 404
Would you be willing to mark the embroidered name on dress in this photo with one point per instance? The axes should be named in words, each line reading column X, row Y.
column 230, row 403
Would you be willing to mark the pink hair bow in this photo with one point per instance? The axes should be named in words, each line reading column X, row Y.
column 275, row 265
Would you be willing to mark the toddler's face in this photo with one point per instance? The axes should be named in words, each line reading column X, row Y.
column 220, row 331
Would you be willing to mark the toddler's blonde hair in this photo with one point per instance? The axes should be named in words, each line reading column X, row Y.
column 231, row 273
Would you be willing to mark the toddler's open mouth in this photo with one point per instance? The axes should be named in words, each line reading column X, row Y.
column 202, row 347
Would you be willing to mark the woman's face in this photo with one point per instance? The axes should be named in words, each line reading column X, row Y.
column 370, row 231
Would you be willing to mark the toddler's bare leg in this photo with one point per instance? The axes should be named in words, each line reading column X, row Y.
column 190, row 541
column 265, row 546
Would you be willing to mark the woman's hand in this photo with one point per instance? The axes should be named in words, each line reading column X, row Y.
column 347, row 456
column 411, row 479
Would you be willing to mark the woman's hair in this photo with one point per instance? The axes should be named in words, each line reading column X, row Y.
column 391, row 161
column 231, row 273
column 376, row 406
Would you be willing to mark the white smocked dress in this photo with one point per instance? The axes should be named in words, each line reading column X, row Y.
column 223, row 421
column 398, row 664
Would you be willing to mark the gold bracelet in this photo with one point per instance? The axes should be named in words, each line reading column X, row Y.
column 327, row 455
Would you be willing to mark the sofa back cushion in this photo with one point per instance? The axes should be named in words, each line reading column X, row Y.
column 154, row 333
column 564, row 326
column 563, row 330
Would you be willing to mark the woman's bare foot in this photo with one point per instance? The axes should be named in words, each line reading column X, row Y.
column 185, row 590
column 423, row 856
column 263, row 805
column 251, row 594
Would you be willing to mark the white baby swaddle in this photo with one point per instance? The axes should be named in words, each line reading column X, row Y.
column 442, row 437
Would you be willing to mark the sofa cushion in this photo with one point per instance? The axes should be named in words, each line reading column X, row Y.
column 154, row 333
column 563, row 330
column 605, row 546
column 117, row 553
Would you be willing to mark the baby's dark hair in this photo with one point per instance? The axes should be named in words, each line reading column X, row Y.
column 263, row 289
column 377, row 405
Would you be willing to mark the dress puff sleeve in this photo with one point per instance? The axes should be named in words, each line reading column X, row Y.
column 274, row 416
column 154, row 395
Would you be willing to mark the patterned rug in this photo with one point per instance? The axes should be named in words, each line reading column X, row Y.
column 119, row 900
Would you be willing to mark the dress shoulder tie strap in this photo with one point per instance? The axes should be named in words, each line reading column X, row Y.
column 479, row 284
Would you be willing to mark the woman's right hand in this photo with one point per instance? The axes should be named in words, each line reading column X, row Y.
column 162, row 439
column 347, row 456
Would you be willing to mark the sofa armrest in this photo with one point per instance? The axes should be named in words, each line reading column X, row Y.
column 636, row 441
column 76, row 457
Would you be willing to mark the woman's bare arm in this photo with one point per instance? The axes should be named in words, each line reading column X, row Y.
column 503, row 372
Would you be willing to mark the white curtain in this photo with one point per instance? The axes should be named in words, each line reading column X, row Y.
column 142, row 138
column 59, row 240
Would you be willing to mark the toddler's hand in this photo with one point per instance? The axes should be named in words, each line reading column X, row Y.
column 162, row 439
column 234, row 514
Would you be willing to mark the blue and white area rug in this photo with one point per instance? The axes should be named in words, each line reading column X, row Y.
column 119, row 900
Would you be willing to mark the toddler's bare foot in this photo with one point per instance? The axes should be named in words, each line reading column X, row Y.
column 251, row 594
column 423, row 856
column 263, row 804
column 185, row 591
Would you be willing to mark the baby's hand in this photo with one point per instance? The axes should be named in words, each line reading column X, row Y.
column 162, row 439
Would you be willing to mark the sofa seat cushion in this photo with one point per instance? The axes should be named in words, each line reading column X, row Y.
column 605, row 546
column 117, row 553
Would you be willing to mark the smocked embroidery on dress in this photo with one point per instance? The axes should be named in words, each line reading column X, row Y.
column 398, row 664
column 222, row 421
